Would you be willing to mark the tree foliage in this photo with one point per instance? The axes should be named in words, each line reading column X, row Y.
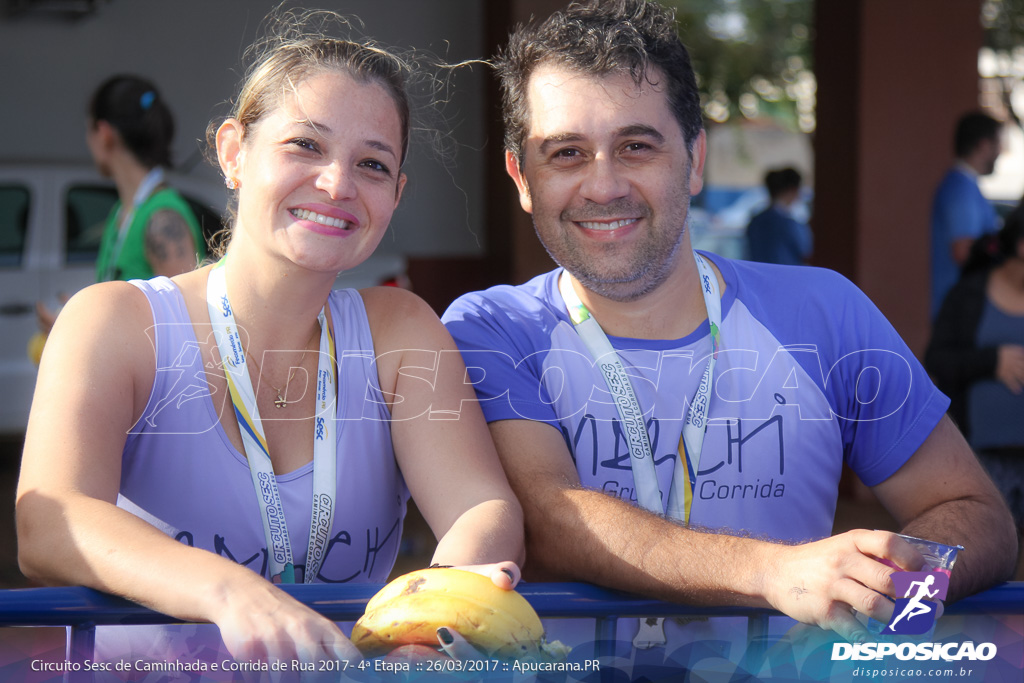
column 753, row 58
column 1002, row 58
column 1004, row 24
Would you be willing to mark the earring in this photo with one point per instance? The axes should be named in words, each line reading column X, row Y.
column 231, row 183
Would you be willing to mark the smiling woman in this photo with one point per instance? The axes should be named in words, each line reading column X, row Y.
column 323, row 166
column 279, row 428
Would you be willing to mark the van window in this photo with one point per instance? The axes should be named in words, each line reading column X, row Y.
column 86, row 208
column 14, row 201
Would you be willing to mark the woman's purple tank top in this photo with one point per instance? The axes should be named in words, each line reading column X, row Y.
column 182, row 474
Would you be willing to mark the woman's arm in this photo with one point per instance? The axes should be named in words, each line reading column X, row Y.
column 93, row 384
column 441, row 441
column 170, row 248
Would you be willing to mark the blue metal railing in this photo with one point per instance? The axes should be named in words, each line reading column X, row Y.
column 83, row 609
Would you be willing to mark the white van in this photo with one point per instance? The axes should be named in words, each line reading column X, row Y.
column 51, row 221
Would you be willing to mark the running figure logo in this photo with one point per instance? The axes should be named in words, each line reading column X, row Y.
column 915, row 611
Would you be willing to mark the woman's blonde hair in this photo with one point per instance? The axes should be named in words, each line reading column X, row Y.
column 297, row 47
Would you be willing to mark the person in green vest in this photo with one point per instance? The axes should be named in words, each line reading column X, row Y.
column 151, row 230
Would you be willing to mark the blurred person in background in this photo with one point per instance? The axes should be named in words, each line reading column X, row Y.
column 976, row 355
column 774, row 235
column 960, row 213
column 150, row 230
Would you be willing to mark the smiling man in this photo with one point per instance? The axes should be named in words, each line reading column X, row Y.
column 675, row 423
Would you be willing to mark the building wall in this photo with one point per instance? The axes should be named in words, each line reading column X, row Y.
column 192, row 50
column 892, row 78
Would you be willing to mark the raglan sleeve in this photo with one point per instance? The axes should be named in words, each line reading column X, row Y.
column 504, row 357
column 881, row 395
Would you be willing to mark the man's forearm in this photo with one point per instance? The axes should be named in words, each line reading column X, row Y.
column 599, row 539
column 984, row 527
column 602, row 540
column 943, row 494
column 576, row 534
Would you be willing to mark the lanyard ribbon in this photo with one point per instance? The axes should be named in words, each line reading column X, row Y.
column 146, row 188
column 243, row 397
column 691, row 443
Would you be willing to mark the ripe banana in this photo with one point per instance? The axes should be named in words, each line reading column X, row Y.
column 410, row 609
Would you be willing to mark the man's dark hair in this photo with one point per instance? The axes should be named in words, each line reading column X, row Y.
column 971, row 129
column 599, row 38
column 781, row 180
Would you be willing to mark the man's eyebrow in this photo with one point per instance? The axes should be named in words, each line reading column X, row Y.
column 558, row 138
column 633, row 130
column 640, row 130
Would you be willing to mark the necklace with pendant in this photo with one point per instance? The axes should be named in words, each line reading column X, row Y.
column 281, row 401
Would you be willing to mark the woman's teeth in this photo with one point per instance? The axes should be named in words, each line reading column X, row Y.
column 307, row 215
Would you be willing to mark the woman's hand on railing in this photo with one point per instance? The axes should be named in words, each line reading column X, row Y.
column 266, row 624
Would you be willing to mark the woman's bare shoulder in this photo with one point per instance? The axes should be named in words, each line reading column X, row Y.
column 399, row 318
column 100, row 347
column 96, row 306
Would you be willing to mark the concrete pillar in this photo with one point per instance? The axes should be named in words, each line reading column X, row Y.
column 893, row 77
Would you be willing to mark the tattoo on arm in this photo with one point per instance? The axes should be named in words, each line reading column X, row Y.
column 170, row 248
column 797, row 591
